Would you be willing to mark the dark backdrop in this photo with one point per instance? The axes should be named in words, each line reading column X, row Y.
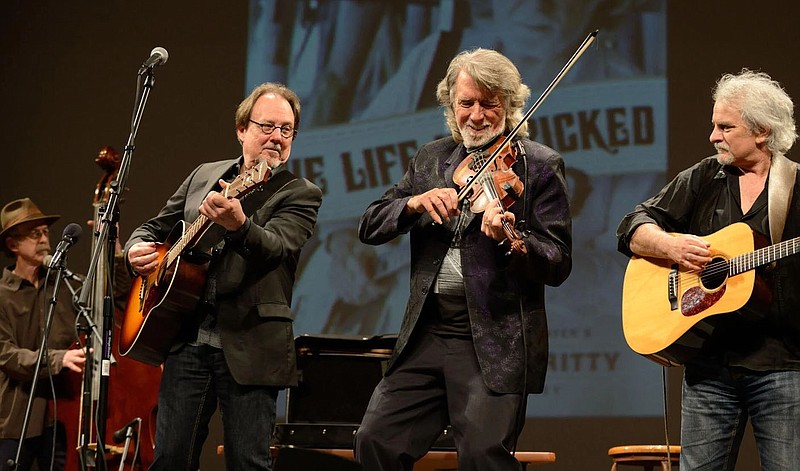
column 68, row 82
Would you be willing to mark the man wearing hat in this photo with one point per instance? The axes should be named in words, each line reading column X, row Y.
column 24, row 302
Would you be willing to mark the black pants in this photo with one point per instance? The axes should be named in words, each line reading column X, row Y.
column 36, row 449
column 438, row 382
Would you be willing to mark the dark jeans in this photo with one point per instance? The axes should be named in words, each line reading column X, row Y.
column 194, row 381
column 438, row 381
column 714, row 413
column 35, row 449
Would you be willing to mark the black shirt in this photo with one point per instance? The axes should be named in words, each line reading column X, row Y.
column 702, row 200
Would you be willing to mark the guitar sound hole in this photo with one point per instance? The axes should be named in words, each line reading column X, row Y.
column 714, row 274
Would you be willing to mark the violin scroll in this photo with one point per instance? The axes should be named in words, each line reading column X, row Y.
column 109, row 160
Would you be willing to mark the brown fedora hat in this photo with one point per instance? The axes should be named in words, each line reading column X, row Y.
column 21, row 211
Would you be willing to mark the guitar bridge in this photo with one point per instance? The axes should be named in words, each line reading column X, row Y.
column 142, row 293
column 672, row 287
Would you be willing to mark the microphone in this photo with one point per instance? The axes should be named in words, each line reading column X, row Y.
column 158, row 56
column 48, row 262
column 70, row 236
column 120, row 435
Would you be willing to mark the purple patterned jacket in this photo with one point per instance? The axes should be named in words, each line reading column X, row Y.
column 505, row 293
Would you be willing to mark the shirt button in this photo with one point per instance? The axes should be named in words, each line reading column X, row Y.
column 436, row 261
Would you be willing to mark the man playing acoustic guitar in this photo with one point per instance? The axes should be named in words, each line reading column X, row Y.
column 235, row 347
column 747, row 364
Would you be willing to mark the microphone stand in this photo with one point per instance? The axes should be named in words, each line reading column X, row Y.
column 85, row 432
column 42, row 348
column 128, row 438
column 85, row 436
column 107, row 234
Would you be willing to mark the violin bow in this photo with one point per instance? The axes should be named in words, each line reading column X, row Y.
column 571, row 62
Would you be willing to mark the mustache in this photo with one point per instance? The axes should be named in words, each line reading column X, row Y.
column 721, row 147
column 478, row 127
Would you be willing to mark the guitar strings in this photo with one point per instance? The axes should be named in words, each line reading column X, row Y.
column 691, row 278
column 741, row 263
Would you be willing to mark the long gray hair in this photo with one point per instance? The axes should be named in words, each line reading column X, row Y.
column 494, row 74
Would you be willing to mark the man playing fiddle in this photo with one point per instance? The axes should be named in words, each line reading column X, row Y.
column 473, row 341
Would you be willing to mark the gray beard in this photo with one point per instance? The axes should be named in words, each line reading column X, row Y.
column 469, row 143
column 726, row 159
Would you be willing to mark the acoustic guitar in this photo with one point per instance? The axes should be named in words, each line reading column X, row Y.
column 668, row 312
column 160, row 302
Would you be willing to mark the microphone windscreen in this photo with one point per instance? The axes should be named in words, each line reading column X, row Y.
column 73, row 231
column 161, row 51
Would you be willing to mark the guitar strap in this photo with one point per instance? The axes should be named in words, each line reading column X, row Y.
column 782, row 177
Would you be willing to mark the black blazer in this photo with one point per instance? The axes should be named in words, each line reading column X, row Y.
column 253, row 272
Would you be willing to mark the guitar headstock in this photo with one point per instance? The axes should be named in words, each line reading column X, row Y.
column 249, row 180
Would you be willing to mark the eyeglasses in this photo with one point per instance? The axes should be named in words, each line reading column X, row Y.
column 35, row 234
column 287, row 131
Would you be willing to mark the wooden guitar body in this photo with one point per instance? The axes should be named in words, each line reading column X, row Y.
column 669, row 312
column 160, row 303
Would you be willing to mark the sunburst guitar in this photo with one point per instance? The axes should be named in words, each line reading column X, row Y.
column 667, row 311
column 160, row 303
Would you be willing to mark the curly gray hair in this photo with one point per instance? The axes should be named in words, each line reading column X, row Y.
column 764, row 104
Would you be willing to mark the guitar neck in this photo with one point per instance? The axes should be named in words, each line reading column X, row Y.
column 192, row 234
column 239, row 188
column 763, row 256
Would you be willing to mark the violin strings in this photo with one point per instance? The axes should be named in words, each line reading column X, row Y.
column 486, row 181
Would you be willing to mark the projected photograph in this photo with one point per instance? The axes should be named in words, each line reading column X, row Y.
column 366, row 72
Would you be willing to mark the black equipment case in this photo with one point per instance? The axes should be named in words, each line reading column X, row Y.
column 337, row 375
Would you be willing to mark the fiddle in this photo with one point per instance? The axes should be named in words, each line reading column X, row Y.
column 485, row 175
column 498, row 181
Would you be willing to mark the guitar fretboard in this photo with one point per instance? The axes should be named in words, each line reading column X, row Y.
column 191, row 235
column 239, row 187
column 763, row 256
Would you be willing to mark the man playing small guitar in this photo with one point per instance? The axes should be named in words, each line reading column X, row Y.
column 743, row 363
column 234, row 345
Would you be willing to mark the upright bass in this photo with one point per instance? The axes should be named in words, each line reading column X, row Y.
column 132, row 386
